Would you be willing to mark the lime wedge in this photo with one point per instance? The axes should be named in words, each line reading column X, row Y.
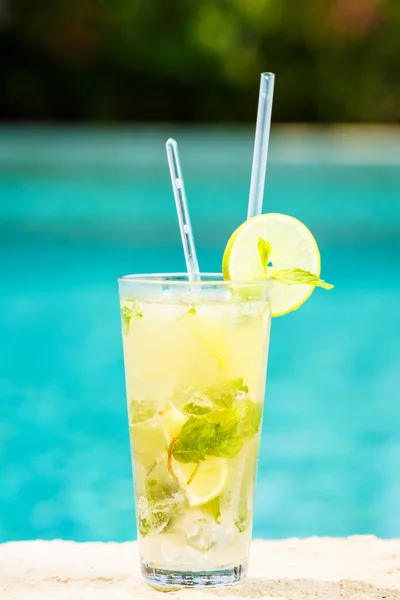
column 292, row 247
column 172, row 421
column 201, row 482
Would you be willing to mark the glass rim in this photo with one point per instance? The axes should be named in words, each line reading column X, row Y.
column 211, row 279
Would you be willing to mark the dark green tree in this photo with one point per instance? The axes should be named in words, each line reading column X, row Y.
column 181, row 60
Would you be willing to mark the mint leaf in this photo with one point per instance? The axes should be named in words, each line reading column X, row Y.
column 220, row 433
column 194, row 439
column 239, row 426
column 157, row 489
column 264, row 250
column 249, row 415
column 243, row 517
column 141, row 410
column 299, row 276
column 126, row 319
column 127, row 314
column 244, row 505
column 185, row 455
column 228, row 394
column 196, row 409
column 213, row 508
column 157, row 509
column 227, row 442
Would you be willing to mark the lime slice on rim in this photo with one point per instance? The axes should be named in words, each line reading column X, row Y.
column 293, row 246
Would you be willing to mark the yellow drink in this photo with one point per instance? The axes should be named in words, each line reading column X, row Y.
column 195, row 364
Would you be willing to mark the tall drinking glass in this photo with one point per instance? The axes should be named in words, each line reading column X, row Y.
column 195, row 358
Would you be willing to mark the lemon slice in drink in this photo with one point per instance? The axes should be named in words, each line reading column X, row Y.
column 292, row 247
column 201, row 482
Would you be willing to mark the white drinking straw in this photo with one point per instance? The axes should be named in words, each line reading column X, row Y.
column 182, row 209
column 260, row 153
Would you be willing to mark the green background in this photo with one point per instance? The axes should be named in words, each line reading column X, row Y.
column 199, row 61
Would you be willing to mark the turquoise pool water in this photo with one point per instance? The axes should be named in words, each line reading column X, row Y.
column 79, row 208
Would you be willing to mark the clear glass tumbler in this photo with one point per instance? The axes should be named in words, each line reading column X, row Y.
column 195, row 358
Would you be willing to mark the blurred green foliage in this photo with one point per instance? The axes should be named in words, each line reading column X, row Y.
column 188, row 60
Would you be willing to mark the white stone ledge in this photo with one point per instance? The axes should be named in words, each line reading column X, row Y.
column 359, row 567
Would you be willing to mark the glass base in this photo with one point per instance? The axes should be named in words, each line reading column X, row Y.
column 169, row 579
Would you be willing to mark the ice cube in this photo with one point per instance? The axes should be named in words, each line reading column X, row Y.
column 248, row 311
column 202, row 534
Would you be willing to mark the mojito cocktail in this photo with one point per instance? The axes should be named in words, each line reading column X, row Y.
column 195, row 364
column 195, row 352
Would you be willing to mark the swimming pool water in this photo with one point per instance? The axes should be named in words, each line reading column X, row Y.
column 78, row 209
